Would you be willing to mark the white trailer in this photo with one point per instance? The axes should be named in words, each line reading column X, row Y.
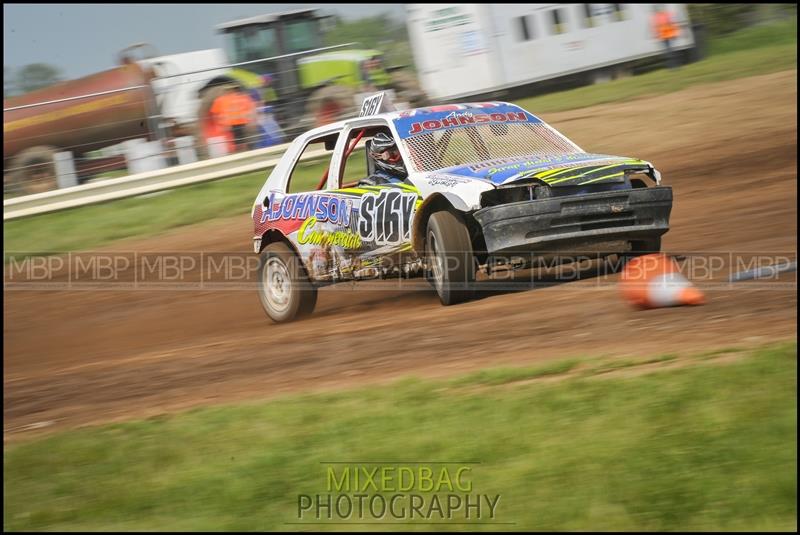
column 180, row 77
column 470, row 49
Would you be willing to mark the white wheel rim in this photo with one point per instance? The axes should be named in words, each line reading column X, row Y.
column 277, row 285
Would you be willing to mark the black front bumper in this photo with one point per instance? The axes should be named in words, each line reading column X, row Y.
column 558, row 222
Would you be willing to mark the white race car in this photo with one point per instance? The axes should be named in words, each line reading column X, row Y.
column 486, row 183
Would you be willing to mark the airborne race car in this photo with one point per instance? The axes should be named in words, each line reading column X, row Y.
column 486, row 181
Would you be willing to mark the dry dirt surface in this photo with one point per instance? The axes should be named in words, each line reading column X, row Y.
column 729, row 150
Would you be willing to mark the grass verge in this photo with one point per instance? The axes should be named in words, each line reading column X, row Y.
column 97, row 225
column 765, row 35
column 718, row 68
column 700, row 447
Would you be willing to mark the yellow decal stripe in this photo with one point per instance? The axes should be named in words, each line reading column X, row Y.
column 602, row 178
column 584, row 173
column 359, row 191
column 545, row 175
column 78, row 109
column 553, row 172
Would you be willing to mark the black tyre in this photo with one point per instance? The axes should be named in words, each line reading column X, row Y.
column 285, row 291
column 449, row 257
column 407, row 88
column 33, row 171
column 329, row 104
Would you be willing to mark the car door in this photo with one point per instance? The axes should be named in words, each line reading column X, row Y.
column 383, row 214
column 300, row 206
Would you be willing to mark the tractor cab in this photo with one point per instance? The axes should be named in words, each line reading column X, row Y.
column 274, row 43
column 306, row 83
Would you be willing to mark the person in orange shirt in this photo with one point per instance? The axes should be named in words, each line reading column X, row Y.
column 234, row 110
column 665, row 28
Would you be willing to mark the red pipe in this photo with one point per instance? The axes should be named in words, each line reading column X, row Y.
column 346, row 155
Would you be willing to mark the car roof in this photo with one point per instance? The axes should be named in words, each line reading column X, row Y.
column 414, row 112
column 429, row 110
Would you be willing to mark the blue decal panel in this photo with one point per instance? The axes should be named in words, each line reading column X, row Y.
column 425, row 120
column 500, row 170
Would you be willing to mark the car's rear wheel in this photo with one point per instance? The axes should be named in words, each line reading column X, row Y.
column 450, row 257
column 285, row 290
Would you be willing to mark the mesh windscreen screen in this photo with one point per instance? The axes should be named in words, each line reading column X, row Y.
column 431, row 151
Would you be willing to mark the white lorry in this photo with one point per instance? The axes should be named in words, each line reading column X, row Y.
column 463, row 50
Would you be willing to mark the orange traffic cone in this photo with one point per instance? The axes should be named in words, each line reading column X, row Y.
column 654, row 281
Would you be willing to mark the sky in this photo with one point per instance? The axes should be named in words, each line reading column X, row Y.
column 82, row 39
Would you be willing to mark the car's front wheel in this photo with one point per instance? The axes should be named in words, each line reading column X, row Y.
column 450, row 257
column 284, row 287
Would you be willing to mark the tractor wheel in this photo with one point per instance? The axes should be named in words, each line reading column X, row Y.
column 330, row 104
column 407, row 88
column 33, row 171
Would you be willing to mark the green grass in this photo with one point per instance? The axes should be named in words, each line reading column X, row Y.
column 612, row 365
column 752, row 51
column 708, row 355
column 703, row 447
column 499, row 376
column 717, row 68
column 780, row 33
column 100, row 224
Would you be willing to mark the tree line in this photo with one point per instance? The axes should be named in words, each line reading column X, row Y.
column 379, row 32
column 722, row 19
column 29, row 78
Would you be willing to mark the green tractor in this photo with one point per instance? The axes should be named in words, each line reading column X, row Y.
column 306, row 83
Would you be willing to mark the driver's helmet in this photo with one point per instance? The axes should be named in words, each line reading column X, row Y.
column 383, row 150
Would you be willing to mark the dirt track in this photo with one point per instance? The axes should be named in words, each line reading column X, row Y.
column 728, row 150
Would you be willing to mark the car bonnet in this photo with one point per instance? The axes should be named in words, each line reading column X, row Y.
column 562, row 169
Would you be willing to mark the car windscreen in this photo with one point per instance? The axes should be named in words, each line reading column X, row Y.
column 468, row 145
column 466, row 134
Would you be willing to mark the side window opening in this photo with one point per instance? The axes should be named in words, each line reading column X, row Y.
column 356, row 166
column 308, row 174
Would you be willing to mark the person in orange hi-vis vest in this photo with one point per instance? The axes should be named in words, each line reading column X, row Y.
column 234, row 110
column 665, row 28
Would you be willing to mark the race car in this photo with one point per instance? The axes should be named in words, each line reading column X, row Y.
column 486, row 184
